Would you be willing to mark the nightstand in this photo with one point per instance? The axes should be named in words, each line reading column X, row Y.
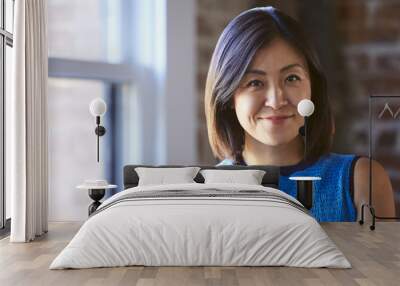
column 305, row 189
column 96, row 193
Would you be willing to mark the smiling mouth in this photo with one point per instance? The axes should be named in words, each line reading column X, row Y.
column 276, row 119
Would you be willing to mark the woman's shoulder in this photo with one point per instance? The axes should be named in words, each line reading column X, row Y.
column 382, row 190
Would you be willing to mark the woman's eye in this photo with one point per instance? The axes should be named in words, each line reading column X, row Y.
column 292, row 78
column 255, row 83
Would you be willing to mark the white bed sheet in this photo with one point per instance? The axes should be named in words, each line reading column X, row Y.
column 200, row 231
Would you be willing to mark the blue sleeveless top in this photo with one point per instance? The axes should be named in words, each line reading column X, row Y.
column 333, row 195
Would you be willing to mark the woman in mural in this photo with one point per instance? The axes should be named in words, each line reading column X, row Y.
column 261, row 68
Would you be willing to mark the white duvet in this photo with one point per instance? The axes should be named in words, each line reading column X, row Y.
column 200, row 231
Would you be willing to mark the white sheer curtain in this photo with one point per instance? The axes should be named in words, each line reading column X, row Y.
column 26, row 119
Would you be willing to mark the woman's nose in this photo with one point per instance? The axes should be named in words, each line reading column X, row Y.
column 275, row 97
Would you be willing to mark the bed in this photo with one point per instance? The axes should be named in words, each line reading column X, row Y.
column 201, row 224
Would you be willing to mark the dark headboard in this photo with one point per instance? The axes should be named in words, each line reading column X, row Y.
column 270, row 179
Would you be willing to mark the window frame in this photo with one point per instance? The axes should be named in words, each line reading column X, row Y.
column 6, row 39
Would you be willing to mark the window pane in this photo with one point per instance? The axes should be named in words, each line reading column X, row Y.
column 85, row 30
column 9, row 15
column 1, row 15
column 72, row 146
column 9, row 63
column 2, row 110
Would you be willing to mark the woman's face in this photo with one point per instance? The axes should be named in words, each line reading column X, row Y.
column 267, row 97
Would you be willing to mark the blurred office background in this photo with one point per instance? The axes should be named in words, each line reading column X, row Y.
column 149, row 60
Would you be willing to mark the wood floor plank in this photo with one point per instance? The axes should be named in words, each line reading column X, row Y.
column 374, row 255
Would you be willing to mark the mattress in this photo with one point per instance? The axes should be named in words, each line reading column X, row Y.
column 201, row 225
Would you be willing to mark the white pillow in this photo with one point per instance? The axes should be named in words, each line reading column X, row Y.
column 162, row 176
column 249, row 177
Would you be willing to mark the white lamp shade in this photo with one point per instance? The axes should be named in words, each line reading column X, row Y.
column 98, row 107
column 305, row 107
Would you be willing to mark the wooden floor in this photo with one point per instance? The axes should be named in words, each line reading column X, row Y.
column 374, row 255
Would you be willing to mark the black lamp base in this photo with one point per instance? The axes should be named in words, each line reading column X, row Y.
column 96, row 195
column 305, row 193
